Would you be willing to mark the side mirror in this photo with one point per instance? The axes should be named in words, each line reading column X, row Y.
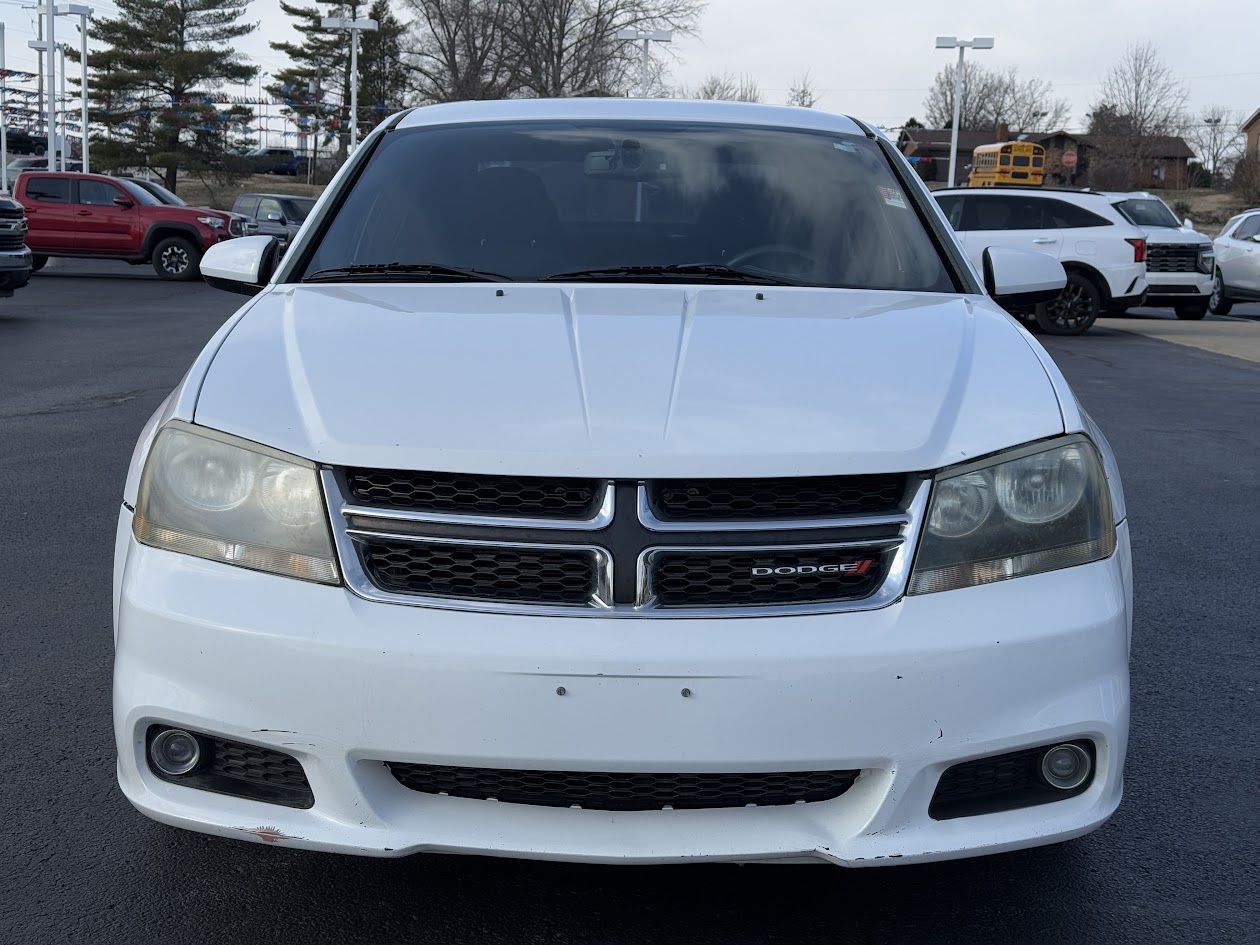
column 1256, row 238
column 1187, row 224
column 124, row 201
column 275, row 218
column 243, row 265
column 1016, row 278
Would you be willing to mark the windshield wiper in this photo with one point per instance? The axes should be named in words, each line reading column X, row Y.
column 404, row 272
column 680, row 272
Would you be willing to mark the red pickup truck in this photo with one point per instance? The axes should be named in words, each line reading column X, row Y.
column 100, row 217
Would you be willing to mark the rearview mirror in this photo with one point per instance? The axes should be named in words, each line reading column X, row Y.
column 1022, row 277
column 243, row 265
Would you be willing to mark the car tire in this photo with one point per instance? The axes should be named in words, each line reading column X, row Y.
column 39, row 150
column 1218, row 304
column 38, row 262
column 1191, row 311
column 175, row 259
column 1074, row 311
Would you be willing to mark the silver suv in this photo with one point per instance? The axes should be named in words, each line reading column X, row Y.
column 1104, row 254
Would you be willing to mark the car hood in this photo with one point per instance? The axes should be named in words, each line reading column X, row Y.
column 628, row 380
column 1174, row 235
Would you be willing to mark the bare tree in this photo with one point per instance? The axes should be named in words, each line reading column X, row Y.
column 569, row 47
column 802, row 92
column 726, row 87
column 1246, row 181
column 461, row 50
column 989, row 97
column 1217, row 138
column 1140, row 102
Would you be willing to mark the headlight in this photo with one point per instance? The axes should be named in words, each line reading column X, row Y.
column 1207, row 259
column 217, row 496
column 1038, row 508
column 213, row 222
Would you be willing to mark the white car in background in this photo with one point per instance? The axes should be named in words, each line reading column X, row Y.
column 1104, row 254
column 1179, row 259
column 1237, row 277
column 625, row 481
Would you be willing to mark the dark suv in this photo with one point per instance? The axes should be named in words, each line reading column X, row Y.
column 278, row 215
column 15, row 258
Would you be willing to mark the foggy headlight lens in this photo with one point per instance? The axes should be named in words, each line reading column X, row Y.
column 216, row 496
column 1039, row 508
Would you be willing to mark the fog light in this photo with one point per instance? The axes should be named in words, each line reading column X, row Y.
column 1065, row 766
column 174, row 752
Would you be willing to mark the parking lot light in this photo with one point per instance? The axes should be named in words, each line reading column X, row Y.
column 354, row 27
column 953, row 42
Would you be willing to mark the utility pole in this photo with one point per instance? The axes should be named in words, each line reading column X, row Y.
column 82, row 11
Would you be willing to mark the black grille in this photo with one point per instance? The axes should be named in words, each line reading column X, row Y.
column 251, row 763
column 705, row 500
column 11, row 211
column 1179, row 257
column 11, row 241
column 482, row 572
column 241, row 770
column 598, row 790
column 1000, row 782
column 458, row 494
column 798, row 576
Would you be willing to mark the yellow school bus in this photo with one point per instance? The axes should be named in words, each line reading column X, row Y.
column 1008, row 162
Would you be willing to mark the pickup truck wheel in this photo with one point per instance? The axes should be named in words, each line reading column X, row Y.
column 1075, row 309
column 175, row 258
column 38, row 262
column 1191, row 311
column 39, row 150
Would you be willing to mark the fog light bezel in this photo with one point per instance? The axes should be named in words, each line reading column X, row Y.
column 161, row 765
column 1025, row 786
column 1085, row 763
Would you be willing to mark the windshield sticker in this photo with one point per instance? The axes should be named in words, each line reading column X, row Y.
column 845, row 146
column 893, row 197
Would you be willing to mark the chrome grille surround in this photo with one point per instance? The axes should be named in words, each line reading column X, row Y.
column 889, row 538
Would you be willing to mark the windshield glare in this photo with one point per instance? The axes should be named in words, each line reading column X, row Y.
column 534, row 199
column 1148, row 211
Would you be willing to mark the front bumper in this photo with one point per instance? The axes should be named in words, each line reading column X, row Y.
column 1170, row 288
column 15, row 270
column 341, row 684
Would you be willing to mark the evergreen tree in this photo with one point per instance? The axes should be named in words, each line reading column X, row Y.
column 153, row 84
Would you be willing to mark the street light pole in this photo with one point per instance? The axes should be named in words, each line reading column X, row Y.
column 4, row 117
column 953, row 42
column 82, row 11
column 645, row 37
column 354, row 27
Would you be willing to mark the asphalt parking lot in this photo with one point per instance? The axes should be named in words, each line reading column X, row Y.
column 87, row 352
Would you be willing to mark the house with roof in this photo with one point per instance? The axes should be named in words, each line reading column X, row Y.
column 1251, row 129
column 1116, row 162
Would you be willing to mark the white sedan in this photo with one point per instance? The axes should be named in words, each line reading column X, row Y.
column 1237, row 277
column 625, row 482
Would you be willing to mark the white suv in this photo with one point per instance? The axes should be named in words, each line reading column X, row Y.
column 1237, row 277
column 1179, row 259
column 1104, row 254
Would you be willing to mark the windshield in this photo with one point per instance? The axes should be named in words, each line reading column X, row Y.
column 139, row 193
column 1148, row 211
column 162, row 194
column 533, row 200
column 296, row 209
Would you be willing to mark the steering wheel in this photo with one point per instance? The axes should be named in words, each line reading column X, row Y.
column 768, row 249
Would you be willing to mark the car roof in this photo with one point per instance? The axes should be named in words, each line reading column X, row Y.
column 614, row 109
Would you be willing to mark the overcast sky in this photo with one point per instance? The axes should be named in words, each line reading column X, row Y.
column 876, row 59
